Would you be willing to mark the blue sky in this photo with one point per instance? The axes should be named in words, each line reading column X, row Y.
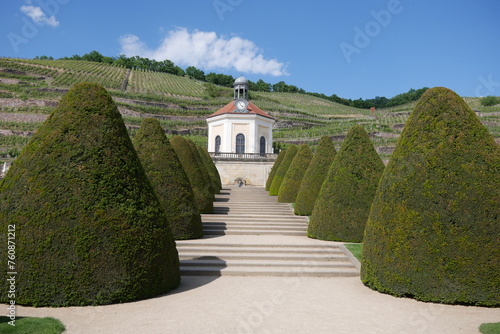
column 352, row 48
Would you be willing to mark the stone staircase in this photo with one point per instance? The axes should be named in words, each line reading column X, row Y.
column 250, row 234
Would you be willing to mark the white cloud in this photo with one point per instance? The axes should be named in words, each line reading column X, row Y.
column 207, row 51
column 39, row 17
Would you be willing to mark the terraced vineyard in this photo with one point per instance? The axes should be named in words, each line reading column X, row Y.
column 30, row 89
column 155, row 83
column 65, row 73
column 292, row 102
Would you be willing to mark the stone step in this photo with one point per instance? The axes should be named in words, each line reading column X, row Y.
column 213, row 232
column 255, row 249
column 242, row 201
column 206, row 262
column 253, row 219
column 260, row 225
column 253, row 206
column 264, row 260
column 270, row 236
column 246, row 214
column 259, row 211
column 233, row 211
column 249, row 226
column 269, row 272
column 242, row 255
column 249, row 196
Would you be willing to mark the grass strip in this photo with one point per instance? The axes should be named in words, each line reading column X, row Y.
column 28, row 325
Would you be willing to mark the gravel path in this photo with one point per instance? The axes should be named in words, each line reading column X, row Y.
column 233, row 305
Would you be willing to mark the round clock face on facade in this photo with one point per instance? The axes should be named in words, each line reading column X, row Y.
column 241, row 105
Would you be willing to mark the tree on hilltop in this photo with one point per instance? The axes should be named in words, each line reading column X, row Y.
column 489, row 101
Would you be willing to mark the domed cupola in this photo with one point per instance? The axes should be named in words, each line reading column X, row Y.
column 241, row 88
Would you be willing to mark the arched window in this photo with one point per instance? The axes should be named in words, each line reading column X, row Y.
column 240, row 143
column 262, row 145
column 217, row 144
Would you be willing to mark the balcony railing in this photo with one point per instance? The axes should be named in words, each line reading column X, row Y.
column 264, row 157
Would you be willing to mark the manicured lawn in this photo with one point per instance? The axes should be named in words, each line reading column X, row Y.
column 30, row 325
column 355, row 249
column 493, row 328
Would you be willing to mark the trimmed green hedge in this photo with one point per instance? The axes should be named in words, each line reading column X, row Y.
column 275, row 167
column 211, row 169
column 169, row 179
column 314, row 177
column 293, row 177
column 207, row 180
column 345, row 198
column 88, row 225
column 433, row 231
column 280, row 173
column 189, row 161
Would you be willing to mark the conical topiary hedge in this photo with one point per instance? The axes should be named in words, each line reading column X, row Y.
column 293, row 177
column 275, row 167
column 202, row 194
column 314, row 177
column 88, row 226
column 280, row 173
column 433, row 231
column 207, row 180
column 169, row 179
column 345, row 198
column 211, row 169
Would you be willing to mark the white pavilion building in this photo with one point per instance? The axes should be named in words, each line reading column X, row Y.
column 240, row 139
column 240, row 126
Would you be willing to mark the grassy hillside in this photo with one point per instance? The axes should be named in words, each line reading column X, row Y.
column 30, row 89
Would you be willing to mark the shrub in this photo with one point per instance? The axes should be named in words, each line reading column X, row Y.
column 169, row 179
column 275, row 167
column 314, row 177
column 280, row 173
column 344, row 201
column 207, row 180
column 211, row 169
column 293, row 177
column 89, row 228
column 489, row 101
column 202, row 194
column 433, row 230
